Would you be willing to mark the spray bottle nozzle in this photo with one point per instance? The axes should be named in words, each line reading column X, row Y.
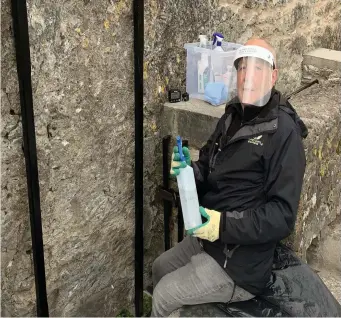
column 179, row 144
column 217, row 37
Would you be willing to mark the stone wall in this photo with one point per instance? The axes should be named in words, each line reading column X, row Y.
column 323, row 64
column 82, row 79
column 320, row 203
column 82, row 76
column 293, row 27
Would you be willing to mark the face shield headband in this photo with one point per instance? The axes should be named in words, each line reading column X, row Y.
column 254, row 51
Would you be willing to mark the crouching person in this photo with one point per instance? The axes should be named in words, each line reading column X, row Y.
column 249, row 178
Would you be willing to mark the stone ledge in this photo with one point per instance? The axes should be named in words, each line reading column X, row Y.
column 198, row 106
column 323, row 64
column 194, row 120
column 323, row 58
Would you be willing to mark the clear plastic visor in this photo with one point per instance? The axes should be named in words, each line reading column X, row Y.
column 254, row 81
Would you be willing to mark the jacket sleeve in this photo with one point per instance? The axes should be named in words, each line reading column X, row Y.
column 274, row 220
column 201, row 166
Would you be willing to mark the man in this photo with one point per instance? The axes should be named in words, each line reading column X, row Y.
column 249, row 177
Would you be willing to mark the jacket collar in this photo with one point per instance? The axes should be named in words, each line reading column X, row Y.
column 255, row 114
column 266, row 119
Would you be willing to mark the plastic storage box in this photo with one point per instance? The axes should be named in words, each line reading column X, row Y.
column 205, row 65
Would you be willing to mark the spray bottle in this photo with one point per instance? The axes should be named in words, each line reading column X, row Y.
column 203, row 68
column 217, row 39
column 217, row 60
column 188, row 193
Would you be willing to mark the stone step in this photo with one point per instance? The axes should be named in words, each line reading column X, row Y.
column 323, row 64
column 324, row 252
column 332, row 281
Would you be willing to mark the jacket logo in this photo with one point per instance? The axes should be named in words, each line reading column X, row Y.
column 255, row 140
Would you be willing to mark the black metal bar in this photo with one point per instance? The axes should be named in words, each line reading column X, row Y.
column 167, row 195
column 138, row 13
column 22, row 48
column 303, row 87
column 180, row 221
column 167, row 205
column 180, row 218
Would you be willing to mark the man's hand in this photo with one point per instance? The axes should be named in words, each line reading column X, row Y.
column 210, row 229
column 177, row 164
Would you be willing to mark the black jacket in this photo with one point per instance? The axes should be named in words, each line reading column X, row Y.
column 251, row 170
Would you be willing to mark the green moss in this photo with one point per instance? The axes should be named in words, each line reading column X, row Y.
column 323, row 169
column 147, row 308
column 338, row 147
column 320, row 153
column 124, row 313
column 147, row 305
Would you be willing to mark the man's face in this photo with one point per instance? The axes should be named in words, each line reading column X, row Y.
column 255, row 78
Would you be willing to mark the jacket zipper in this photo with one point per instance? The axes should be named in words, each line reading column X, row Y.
column 228, row 253
column 214, row 157
column 220, row 146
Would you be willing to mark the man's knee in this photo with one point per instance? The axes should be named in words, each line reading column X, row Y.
column 159, row 303
column 157, row 295
column 157, row 270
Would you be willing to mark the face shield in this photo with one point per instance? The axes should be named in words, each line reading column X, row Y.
column 254, row 67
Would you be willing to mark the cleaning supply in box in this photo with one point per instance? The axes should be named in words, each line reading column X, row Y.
column 217, row 40
column 228, row 76
column 188, row 193
column 216, row 93
column 203, row 73
column 203, row 70
column 218, row 60
column 203, row 41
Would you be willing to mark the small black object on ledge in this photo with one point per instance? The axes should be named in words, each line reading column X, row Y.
column 174, row 95
column 185, row 97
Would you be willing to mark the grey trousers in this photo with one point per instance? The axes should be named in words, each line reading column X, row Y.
column 187, row 275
